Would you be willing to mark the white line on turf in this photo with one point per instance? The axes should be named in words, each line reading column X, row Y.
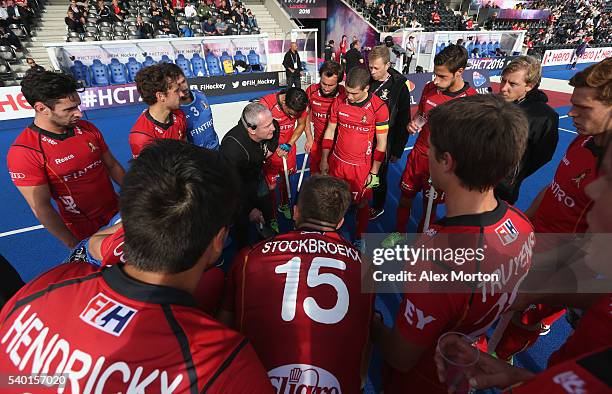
column 569, row 131
column 21, row 230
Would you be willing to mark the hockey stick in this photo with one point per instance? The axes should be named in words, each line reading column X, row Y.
column 429, row 206
column 499, row 331
column 287, row 178
column 299, row 185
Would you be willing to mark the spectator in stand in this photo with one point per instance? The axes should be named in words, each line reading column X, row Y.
column 209, row 27
column 156, row 13
column 80, row 13
column 328, row 52
column 435, row 18
column 169, row 28
column 178, row 4
column 74, row 24
column 204, row 10
column 415, row 24
column 221, row 27
column 251, row 20
column 118, row 12
column 491, row 21
column 168, row 12
column 8, row 38
column 33, row 66
column 104, row 13
column 145, row 30
column 19, row 15
column 3, row 14
column 225, row 10
column 190, row 11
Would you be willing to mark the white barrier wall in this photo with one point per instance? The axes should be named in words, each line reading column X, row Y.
column 558, row 57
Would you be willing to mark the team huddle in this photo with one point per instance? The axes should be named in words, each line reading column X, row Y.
column 146, row 305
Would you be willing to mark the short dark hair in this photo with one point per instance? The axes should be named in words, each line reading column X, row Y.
column 358, row 78
column 485, row 136
column 48, row 87
column 331, row 68
column 296, row 99
column 453, row 57
column 324, row 198
column 156, row 78
column 174, row 199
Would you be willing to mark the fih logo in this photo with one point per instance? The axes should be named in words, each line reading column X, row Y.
column 506, row 232
column 303, row 378
column 107, row 314
column 478, row 79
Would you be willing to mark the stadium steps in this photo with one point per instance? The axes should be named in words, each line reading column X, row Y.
column 265, row 21
column 50, row 29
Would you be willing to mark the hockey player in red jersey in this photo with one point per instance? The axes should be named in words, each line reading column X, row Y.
column 288, row 108
column 359, row 118
column 135, row 326
column 448, row 84
column 297, row 298
column 496, row 132
column 61, row 157
column 320, row 98
column 563, row 205
column 158, row 87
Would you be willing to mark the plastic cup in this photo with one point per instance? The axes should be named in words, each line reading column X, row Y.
column 420, row 120
column 457, row 359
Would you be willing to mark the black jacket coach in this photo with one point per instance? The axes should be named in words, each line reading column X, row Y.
column 541, row 143
column 394, row 92
column 247, row 157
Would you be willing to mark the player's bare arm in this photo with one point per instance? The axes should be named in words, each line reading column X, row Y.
column 39, row 200
column 299, row 129
column 530, row 212
column 395, row 350
column 381, row 146
column 94, row 245
column 115, row 169
column 328, row 140
column 309, row 135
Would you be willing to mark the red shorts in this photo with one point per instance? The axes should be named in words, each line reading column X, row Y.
column 415, row 177
column 87, row 228
column 315, row 158
column 273, row 169
column 355, row 175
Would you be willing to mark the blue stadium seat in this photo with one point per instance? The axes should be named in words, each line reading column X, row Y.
column 133, row 66
column 239, row 56
column 254, row 61
column 197, row 64
column 496, row 45
column 470, row 47
column 81, row 73
column 148, row 61
column 100, row 73
column 165, row 59
column 213, row 65
column 184, row 65
column 228, row 63
column 491, row 48
column 118, row 72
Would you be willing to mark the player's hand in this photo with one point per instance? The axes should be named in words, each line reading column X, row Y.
column 324, row 167
column 308, row 146
column 281, row 153
column 488, row 371
column 393, row 159
column 413, row 128
column 373, row 181
column 256, row 216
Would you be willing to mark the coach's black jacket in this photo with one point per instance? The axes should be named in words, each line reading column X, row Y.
column 396, row 95
column 247, row 157
column 541, row 143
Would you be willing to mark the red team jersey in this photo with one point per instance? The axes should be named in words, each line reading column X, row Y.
column 565, row 204
column 416, row 174
column 72, row 165
column 319, row 108
column 148, row 129
column 273, row 167
column 298, row 299
column 593, row 331
column 117, row 334
column 508, row 240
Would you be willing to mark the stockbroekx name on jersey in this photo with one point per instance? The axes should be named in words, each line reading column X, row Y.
column 33, row 347
column 311, row 246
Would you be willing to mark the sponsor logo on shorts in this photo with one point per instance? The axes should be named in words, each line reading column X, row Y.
column 17, row 175
column 108, row 315
column 303, row 378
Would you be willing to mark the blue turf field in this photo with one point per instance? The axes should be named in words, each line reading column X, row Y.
column 32, row 252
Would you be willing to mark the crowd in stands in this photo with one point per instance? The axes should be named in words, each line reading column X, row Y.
column 141, row 19
column 17, row 20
